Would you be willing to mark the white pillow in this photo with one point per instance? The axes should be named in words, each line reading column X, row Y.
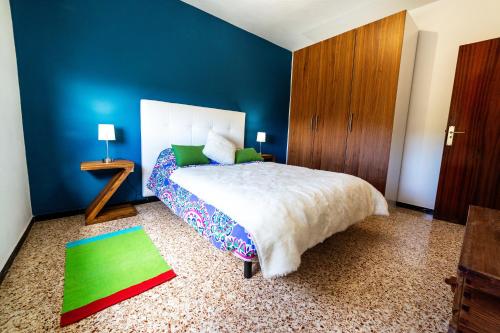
column 219, row 149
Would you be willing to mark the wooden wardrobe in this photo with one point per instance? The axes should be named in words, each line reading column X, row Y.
column 349, row 101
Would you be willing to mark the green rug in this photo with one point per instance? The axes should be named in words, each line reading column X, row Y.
column 107, row 269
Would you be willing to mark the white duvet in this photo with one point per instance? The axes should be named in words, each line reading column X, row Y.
column 286, row 209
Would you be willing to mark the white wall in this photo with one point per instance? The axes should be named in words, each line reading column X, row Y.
column 444, row 26
column 405, row 80
column 15, row 205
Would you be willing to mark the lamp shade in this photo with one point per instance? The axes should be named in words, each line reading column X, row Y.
column 261, row 136
column 106, row 132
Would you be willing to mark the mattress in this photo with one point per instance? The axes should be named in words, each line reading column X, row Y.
column 221, row 230
column 287, row 209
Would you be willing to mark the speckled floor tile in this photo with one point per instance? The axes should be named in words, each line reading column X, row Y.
column 384, row 274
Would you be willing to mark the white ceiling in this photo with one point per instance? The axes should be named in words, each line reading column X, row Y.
column 294, row 24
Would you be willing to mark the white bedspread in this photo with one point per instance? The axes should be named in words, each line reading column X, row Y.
column 286, row 209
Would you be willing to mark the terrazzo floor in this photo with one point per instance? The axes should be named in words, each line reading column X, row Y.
column 384, row 274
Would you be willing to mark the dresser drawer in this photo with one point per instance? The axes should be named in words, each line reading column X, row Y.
column 482, row 283
column 479, row 312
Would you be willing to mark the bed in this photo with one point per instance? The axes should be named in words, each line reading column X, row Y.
column 258, row 211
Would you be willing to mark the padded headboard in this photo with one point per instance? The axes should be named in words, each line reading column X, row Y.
column 164, row 124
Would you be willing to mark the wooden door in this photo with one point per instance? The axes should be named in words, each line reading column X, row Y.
column 304, row 96
column 334, row 95
column 374, row 88
column 470, row 168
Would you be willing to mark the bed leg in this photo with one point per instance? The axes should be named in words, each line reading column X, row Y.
column 247, row 269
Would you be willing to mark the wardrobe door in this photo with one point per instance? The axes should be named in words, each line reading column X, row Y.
column 374, row 88
column 334, row 93
column 304, row 96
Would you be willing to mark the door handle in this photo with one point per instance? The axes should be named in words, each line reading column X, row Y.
column 312, row 123
column 316, row 122
column 349, row 126
column 451, row 134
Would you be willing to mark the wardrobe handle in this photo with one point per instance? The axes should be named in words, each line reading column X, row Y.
column 350, row 122
column 312, row 123
column 316, row 122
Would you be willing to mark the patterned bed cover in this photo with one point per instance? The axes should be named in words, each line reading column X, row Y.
column 222, row 231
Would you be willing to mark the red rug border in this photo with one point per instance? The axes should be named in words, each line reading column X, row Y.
column 75, row 315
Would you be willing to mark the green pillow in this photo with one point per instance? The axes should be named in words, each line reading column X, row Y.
column 247, row 155
column 189, row 155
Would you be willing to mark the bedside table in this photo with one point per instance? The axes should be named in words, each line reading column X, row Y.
column 268, row 157
column 96, row 213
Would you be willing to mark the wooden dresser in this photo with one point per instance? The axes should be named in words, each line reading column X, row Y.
column 476, row 305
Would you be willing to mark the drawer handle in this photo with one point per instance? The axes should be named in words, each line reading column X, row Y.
column 467, row 294
column 465, row 307
column 452, row 282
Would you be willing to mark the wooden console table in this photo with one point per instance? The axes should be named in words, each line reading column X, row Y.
column 96, row 213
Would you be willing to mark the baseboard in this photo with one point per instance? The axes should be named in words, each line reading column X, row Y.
column 413, row 207
column 51, row 216
column 14, row 253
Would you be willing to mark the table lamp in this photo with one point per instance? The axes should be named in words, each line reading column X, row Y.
column 261, row 137
column 106, row 133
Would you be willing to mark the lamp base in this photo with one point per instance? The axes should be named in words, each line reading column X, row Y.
column 107, row 160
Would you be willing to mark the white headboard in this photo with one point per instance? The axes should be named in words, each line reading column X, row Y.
column 164, row 124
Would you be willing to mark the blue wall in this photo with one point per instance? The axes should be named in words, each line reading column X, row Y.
column 84, row 62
